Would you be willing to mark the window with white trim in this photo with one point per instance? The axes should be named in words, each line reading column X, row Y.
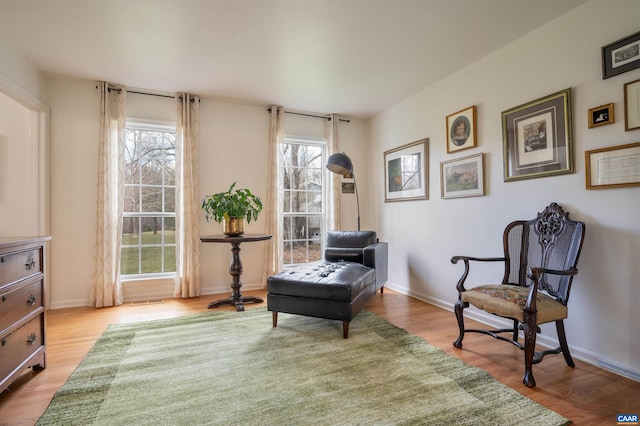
column 304, row 206
column 148, row 231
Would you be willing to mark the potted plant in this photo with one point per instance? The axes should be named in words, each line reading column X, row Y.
column 232, row 207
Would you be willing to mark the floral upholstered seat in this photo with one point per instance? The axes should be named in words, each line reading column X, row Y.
column 540, row 260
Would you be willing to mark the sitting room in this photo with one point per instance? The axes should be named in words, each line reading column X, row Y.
column 382, row 153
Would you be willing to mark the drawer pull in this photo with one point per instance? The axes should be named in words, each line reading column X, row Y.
column 30, row 264
column 4, row 298
column 32, row 339
column 2, row 259
column 31, row 300
column 4, row 342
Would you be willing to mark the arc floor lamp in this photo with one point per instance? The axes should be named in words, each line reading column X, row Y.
column 340, row 164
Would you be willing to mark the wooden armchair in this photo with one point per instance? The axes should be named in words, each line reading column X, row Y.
column 540, row 259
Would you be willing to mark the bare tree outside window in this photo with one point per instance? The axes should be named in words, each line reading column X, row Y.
column 148, row 231
column 303, row 201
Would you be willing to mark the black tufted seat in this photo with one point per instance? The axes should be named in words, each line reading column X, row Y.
column 354, row 269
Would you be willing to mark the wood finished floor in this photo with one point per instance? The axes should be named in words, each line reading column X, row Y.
column 587, row 394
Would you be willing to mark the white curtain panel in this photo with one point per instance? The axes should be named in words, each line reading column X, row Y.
column 187, row 282
column 107, row 288
column 273, row 204
column 333, row 219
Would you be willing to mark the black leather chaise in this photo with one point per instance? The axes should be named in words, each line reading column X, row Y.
column 338, row 287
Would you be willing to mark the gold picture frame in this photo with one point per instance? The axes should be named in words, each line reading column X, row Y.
column 462, row 177
column 613, row 167
column 632, row 105
column 461, row 130
column 406, row 172
column 601, row 115
column 538, row 138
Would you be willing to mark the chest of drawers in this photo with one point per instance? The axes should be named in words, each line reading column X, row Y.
column 22, row 310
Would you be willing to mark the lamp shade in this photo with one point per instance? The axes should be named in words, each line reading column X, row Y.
column 340, row 164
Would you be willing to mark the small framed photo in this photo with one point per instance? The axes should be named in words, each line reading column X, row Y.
column 406, row 172
column 537, row 138
column 621, row 56
column 348, row 188
column 601, row 115
column 461, row 130
column 632, row 105
column 613, row 167
column 462, row 177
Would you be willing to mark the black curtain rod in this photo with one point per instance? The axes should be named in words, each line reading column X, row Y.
column 151, row 94
column 314, row 116
column 159, row 95
column 148, row 94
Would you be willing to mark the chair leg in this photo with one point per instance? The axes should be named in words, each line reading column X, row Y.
column 345, row 329
column 274, row 317
column 530, row 331
column 458, row 308
column 562, row 338
column 515, row 330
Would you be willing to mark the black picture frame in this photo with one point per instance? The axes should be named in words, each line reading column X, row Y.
column 621, row 56
column 538, row 138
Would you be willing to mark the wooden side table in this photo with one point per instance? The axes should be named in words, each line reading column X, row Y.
column 235, row 268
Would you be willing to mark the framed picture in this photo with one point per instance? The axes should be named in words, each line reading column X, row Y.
column 537, row 138
column 348, row 188
column 621, row 56
column 461, row 130
column 462, row 177
column 599, row 116
column 632, row 105
column 406, row 172
column 613, row 167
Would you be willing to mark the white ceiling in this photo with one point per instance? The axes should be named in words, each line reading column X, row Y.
column 352, row 57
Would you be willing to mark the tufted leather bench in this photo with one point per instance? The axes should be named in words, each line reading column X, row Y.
column 333, row 288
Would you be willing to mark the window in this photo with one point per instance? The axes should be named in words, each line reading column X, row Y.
column 303, row 211
column 148, row 231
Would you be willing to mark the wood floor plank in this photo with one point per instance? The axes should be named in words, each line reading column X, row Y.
column 588, row 395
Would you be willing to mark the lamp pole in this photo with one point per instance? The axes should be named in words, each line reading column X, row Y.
column 355, row 186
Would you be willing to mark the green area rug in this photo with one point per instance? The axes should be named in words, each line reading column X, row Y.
column 234, row 368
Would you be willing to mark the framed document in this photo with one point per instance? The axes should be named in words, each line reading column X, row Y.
column 613, row 167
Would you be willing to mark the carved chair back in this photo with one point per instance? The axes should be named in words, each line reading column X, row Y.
column 550, row 241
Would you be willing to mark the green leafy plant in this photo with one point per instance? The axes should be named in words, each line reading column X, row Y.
column 239, row 203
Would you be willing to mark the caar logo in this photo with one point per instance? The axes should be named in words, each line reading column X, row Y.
column 627, row 419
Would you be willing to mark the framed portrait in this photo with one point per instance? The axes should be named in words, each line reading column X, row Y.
column 462, row 177
column 406, row 172
column 632, row 105
column 613, row 167
column 601, row 115
column 537, row 138
column 461, row 130
column 621, row 56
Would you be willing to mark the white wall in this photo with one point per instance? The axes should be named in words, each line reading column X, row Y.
column 424, row 235
column 233, row 147
column 24, row 148
column 18, row 170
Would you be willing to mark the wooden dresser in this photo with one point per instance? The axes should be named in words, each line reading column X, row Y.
column 22, row 310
